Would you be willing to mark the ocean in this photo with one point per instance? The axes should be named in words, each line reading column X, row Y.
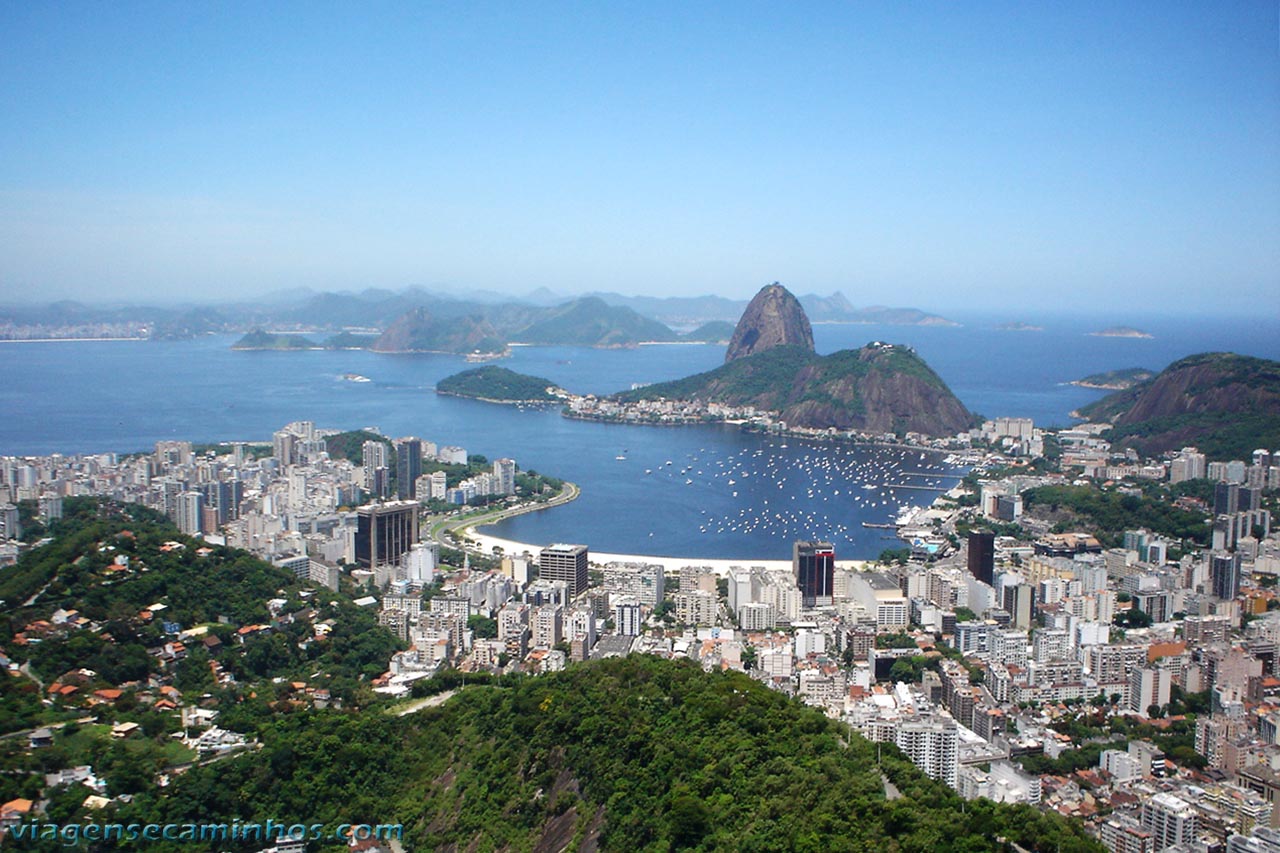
column 725, row 494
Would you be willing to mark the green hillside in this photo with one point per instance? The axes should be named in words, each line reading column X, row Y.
column 590, row 321
column 877, row 388
column 632, row 754
column 1226, row 404
column 126, row 571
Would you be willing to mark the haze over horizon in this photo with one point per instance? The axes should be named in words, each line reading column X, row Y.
column 932, row 156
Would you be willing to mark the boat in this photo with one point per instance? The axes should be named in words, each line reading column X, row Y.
column 620, row 458
column 648, row 470
column 870, row 486
column 355, row 377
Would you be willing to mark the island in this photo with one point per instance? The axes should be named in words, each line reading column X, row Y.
column 1114, row 380
column 261, row 340
column 1121, row 332
column 499, row 385
column 1019, row 326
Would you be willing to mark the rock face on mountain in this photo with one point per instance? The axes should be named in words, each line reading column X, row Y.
column 877, row 388
column 774, row 318
column 1226, row 404
column 418, row 331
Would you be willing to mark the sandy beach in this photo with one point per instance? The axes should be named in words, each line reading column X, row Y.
column 671, row 564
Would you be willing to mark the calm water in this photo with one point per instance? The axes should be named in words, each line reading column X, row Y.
column 89, row 397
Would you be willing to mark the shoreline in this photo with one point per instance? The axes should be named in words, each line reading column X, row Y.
column 67, row 340
column 720, row 565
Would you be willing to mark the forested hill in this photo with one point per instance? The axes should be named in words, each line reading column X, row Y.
column 1226, row 404
column 119, row 593
column 629, row 754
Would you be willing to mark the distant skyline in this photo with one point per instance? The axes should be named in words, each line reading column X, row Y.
column 947, row 157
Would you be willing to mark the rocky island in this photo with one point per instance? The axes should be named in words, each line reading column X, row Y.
column 1114, row 380
column 1121, row 332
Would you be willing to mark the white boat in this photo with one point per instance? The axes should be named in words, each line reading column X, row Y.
column 620, row 458
column 355, row 377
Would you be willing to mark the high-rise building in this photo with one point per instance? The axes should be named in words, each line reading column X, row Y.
column 9, row 521
column 1224, row 575
column 504, row 473
column 408, row 467
column 932, row 743
column 982, row 555
column 1148, row 687
column 376, row 477
column 1189, row 464
column 190, row 512
column 1169, row 819
column 626, row 617
column 566, row 563
column 385, row 532
column 814, row 565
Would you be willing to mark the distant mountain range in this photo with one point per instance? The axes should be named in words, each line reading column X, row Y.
column 597, row 319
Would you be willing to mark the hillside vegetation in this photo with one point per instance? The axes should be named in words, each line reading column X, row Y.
column 1226, row 404
column 634, row 754
column 878, row 388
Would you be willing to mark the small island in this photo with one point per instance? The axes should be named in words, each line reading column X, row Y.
column 1122, row 332
column 260, row 340
column 1115, row 380
column 499, row 385
column 1019, row 326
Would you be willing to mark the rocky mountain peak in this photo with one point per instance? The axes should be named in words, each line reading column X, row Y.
column 774, row 318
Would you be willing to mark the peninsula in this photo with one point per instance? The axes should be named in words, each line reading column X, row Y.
column 771, row 370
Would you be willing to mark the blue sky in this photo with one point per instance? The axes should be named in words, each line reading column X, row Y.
column 1019, row 156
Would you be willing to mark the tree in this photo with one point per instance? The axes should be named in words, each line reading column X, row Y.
column 482, row 627
column 749, row 657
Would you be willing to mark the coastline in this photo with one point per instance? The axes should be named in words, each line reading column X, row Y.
column 488, row 542
column 66, row 340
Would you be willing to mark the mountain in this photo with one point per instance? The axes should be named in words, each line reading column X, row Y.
column 715, row 332
column 635, row 753
column 419, row 331
column 774, row 318
column 878, row 388
column 591, row 321
column 833, row 308
column 1226, row 404
column 497, row 385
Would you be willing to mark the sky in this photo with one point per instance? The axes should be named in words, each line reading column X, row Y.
column 937, row 155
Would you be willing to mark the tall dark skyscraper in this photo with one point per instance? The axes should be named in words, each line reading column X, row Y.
column 814, row 565
column 566, row 563
column 1226, row 499
column 982, row 555
column 1224, row 575
column 408, row 467
column 384, row 532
